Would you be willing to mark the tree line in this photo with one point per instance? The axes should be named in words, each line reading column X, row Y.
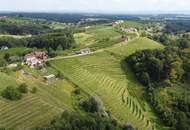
column 23, row 29
column 63, row 40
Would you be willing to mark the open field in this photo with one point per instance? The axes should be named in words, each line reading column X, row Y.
column 34, row 109
column 99, row 36
column 84, row 39
column 102, row 75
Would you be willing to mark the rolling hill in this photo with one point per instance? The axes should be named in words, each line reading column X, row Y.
column 102, row 75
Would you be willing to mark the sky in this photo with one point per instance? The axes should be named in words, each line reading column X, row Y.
column 97, row 6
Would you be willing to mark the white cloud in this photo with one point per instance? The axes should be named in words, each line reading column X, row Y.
column 96, row 5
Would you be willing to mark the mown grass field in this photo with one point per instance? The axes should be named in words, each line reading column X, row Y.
column 102, row 75
column 34, row 109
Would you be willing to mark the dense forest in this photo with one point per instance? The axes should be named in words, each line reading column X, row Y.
column 167, row 68
column 170, row 64
column 177, row 26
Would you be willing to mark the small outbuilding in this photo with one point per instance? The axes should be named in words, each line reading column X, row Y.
column 11, row 66
column 85, row 51
column 50, row 77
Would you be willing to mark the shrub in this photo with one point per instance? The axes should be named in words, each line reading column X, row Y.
column 6, row 56
column 59, row 75
column 34, row 90
column 128, row 127
column 11, row 93
column 23, row 88
column 77, row 91
column 93, row 105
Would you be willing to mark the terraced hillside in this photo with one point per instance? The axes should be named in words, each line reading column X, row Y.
column 34, row 109
column 102, row 75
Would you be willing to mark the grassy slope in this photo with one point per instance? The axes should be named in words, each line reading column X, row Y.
column 102, row 75
column 97, row 37
column 84, row 39
column 34, row 110
column 126, row 49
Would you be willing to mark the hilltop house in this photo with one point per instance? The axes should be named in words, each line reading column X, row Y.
column 85, row 51
column 35, row 59
column 117, row 22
